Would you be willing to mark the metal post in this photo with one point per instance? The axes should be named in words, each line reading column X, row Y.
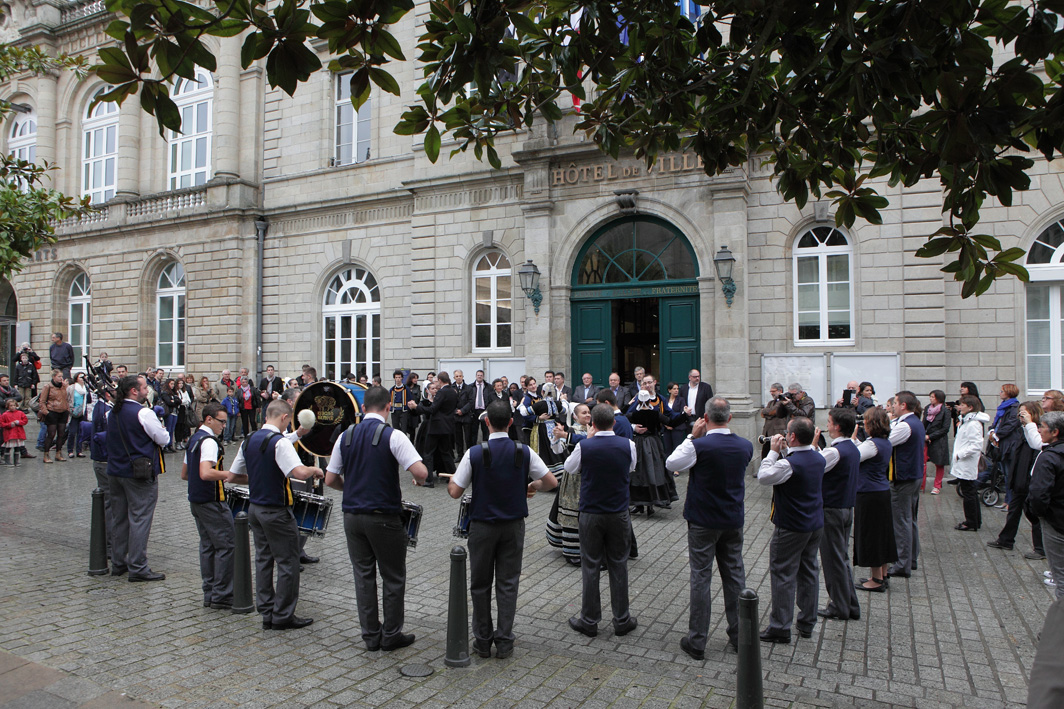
column 242, row 599
column 457, row 613
column 749, row 692
column 97, row 536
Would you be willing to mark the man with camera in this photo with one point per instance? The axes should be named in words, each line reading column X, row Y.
column 797, row 403
column 775, row 417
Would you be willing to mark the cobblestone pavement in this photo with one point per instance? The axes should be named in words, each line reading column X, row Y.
column 961, row 632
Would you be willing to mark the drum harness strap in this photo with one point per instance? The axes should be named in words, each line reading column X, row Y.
column 350, row 432
column 262, row 448
column 519, row 454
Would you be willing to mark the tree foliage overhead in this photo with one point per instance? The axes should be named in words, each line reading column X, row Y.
column 830, row 93
column 29, row 209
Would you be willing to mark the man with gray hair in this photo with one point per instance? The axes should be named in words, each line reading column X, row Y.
column 797, row 403
column 717, row 459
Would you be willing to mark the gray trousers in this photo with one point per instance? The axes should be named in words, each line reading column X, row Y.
column 835, row 560
column 793, row 567
column 132, row 511
column 99, row 469
column 1054, row 549
column 495, row 553
column 703, row 546
column 276, row 542
column 378, row 542
column 214, row 522
column 905, row 502
column 604, row 536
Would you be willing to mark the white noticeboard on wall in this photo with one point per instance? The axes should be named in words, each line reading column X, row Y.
column 510, row 367
column 809, row 370
column 882, row 369
column 469, row 367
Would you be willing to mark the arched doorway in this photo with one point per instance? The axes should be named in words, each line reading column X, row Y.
column 635, row 301
column 8, row 321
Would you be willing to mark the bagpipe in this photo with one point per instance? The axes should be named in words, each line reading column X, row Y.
column 98, row 378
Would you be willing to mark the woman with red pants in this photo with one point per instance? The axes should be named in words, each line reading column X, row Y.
column 936, row 427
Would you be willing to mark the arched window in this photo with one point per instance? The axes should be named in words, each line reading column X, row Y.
column 22, row 141
column 492, row 303
column 636, row 250
column 79, row 317
column 823, row 291
column 99, row 154
column 1045, row 310
column 353, row 128
column 170, row 311
column 351, row 324
column 190, row 150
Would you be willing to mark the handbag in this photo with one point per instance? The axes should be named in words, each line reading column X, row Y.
column 142, row 467
column 35, row 404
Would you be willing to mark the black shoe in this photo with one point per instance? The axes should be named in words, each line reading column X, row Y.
column 428, row 485
column 294, row 623
column 307, row 559
column 481, row 650
column 206, row 604
column 222, row 606
column 405, row 640
column 954, row 481
column 856, row 615
column 881, row 588
column 772, row 636
column 26, row 454
column 962, row 527
column 913, row 565
column 687, row 647
column 625, row 628
column 576, row 562
column 503, row 654
column 373, row 647
column 267, row 625
column 732, row 647
column 830, row 613
column 637, row 510
column 1035, row 555
column 578, row 625
column 118, row 570
column 150, row 576
column 892, row 573
column 650, row 511
column 805, row 632
column 998, row 545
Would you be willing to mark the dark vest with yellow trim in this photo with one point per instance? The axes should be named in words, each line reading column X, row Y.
column 199, row 490
column 798, row 504
column 268, row 486
column 907, row 459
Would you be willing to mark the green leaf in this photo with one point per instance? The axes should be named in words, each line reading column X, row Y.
column 384, row 80
column 432, row 143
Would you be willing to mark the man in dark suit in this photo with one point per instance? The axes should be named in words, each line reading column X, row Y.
column 714, row 514
column 477, row 402
column 585, row 392
column 634, row 387
column 439, row 438
column 620, row 394
column 461, row 414
column 559, row 384
column 695, row 393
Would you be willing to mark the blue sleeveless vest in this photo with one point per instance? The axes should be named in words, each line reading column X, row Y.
column 499, row 489
column 200, row 490
column 798, row 505
column 717, row 487
column 605, row 462
column 371, row 472
column 268, row 486
column 840, row 483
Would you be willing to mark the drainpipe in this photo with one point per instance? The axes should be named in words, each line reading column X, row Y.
column 261, row 225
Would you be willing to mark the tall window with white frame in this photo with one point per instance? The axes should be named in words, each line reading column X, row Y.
column 170, row 317
column 351, row 324
column 79, row 317
column 823, row 287
column 190, row 150
column 22, row 140
column 1045, row 311
column 353, row 127
column 492, row 303
column 99, row 153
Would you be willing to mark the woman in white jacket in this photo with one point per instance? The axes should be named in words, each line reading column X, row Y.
column 966, row 449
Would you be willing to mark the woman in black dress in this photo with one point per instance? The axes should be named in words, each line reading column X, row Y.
column 873, row 519
column 650, row 485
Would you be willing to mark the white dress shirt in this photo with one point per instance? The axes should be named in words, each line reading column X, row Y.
column 692, row 397
column 684, row 457
column 899, row 433
column 402, row 449
column 149, row 422
column 831, row 456
column 775, row 470
column 463, row 476
column 572, row 463
column 284, row 454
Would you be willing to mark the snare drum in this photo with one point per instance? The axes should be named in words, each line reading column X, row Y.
column 238, row 498
column 411, row 518
column 312, row 513
column 461, row 529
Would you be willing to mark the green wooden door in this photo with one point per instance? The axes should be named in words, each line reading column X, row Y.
column 592, row 340
column 679, row 338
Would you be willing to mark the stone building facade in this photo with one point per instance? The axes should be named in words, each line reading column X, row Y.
column 281, row 230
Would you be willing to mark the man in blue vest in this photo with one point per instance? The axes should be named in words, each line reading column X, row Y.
column 605, row 461
column 268, row 460
column 798, row 513
column 365, row 465
column 204, row 471
column 717, row 459
column 622, row 427
column 133, row 434
column 497, row 470
column 907, row 469
column 841, row 463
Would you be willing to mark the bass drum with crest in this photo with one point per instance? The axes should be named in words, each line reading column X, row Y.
column 334, row 410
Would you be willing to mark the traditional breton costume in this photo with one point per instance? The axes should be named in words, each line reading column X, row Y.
column 651, row 485
column 400, row 395
column 541, row 433
column 563, row 522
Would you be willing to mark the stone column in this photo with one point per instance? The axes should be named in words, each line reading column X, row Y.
column 227, row 110
column 127, row 185
column 47, row 117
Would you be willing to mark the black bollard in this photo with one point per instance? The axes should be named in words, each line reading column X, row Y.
column 749, row 692
column 242, row 599
column 457, row 613
column 97, row 536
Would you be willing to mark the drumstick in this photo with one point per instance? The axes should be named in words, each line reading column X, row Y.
column 445, row 475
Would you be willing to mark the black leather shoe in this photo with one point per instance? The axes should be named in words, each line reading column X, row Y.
column 805, row 632
column 899, row 574
column 481, row 650
column 687, row 647
column 206, row 604
column 732, row 647
column 405, row 640
column 913, row 565
column 856, row 615
column 995, row 544
column 267, row 625
column 295, row 622
column 503, row 653
column 771, row 636
column 625, row 628
column 428, row 485
column 880, row 588
column 307, row 559
column 578, row 625
column 962, row 527
column 118, row 570
column 222, row 606
column 373, row 646
column 830, row 613
column 150, row 576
